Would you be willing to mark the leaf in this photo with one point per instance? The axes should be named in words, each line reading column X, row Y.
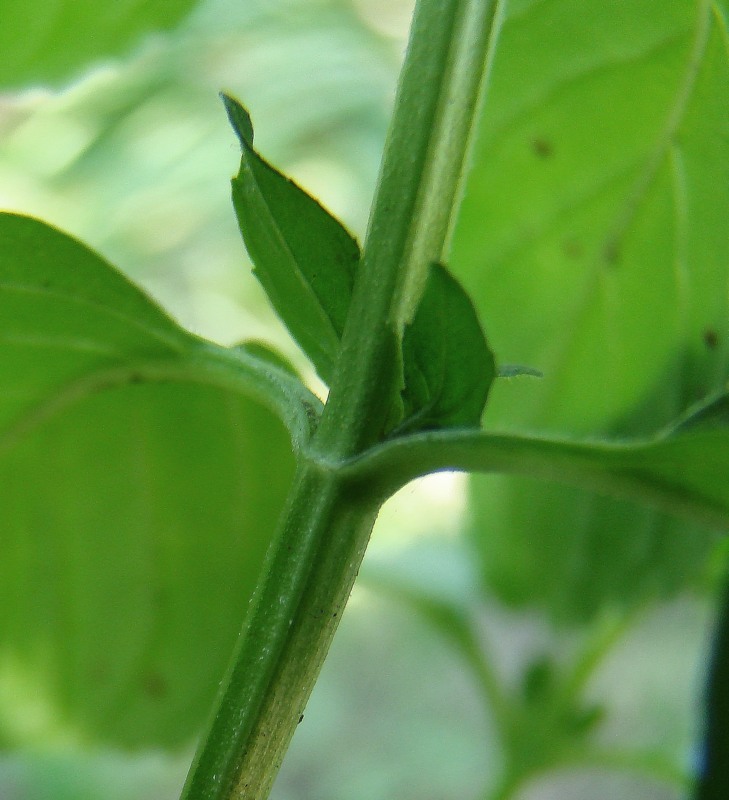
column 682, row 471
column 593, row 240
column 47, row 42
column 614, row 553
column 303, row 257
column 138, row 484
column 448, row 367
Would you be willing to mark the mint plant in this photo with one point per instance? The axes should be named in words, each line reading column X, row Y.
column 88, row 363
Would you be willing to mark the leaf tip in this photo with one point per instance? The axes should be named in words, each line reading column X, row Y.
column 239, row 118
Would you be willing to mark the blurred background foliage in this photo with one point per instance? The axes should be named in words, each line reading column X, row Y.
column 500, row 629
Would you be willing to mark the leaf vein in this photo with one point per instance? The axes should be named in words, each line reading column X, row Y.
column 75, row 299
column 556, row 89
column 667, row 134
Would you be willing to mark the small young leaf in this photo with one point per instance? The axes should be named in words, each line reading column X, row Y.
column 448, row 366
column 304, row 258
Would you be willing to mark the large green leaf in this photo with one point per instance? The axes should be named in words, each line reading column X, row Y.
column 138, row 484
column 48, row 41
column 593, row 236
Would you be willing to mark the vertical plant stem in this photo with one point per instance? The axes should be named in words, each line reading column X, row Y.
column 413, row 211
column 327, row 521
column 307, row 580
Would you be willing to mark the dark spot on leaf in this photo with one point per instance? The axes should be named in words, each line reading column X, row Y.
column 301, row 717
column 135, row 377
column 542, row 147
column 572, row 248
column 611, row 251
column 711, row 339
column 154, row 685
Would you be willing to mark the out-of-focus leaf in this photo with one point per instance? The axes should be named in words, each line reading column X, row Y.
column 573, row 553
column 303, row 257
column 138, row 482
column 448, row 367
column 594, row 240
column 49, row 41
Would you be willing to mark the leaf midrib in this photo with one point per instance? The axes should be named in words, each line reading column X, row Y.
column 653, row 161
column 304, row 282
column 674, row 118
column 146, row 371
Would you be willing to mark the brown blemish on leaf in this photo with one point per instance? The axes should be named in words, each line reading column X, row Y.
column 572, row 248
column 542, row 147
column 611, row 252
column 154, row 685
column 711, row 339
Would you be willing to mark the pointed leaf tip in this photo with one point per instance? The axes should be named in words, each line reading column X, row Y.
column 239, row 118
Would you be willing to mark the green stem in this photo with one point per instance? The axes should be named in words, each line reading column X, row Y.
column 420, row 181
column 308, row 578
column 600, row 642
column 327, row 521
column 483, row 665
